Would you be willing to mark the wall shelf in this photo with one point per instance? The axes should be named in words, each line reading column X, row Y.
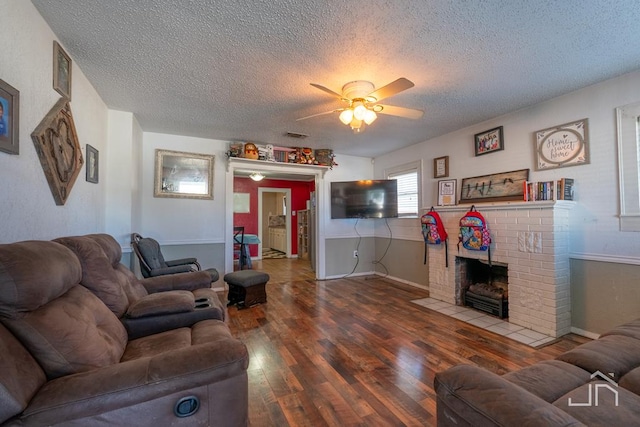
column 239, row 162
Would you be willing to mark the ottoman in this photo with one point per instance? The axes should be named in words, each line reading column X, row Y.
column 246, row 287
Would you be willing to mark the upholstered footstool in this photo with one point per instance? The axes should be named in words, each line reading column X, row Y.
column 246, row 287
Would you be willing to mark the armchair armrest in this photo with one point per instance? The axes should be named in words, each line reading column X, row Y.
column 183, row 281
column 171, row 270
column 183, row 261
column 469, row 395
column 139, row 382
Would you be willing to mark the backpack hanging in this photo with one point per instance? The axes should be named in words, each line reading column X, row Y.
column 474, row 233
column 434, row 233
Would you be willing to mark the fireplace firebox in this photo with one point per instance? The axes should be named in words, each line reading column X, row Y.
column 484, row 287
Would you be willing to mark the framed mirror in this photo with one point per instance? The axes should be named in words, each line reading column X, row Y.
column 184, row 175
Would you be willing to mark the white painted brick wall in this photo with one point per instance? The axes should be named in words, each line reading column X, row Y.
column 532, row 238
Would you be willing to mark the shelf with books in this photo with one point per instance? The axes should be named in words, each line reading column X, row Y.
column 560, row 189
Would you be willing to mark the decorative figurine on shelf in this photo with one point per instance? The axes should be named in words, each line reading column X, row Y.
column 270, row 155
column 305, row 155
column 250, row 151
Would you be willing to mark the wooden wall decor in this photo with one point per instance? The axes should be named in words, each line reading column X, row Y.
column 497, row 187
column 59, row 151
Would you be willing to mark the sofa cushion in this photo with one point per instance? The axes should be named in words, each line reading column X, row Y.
column 21, row 376
column 631, row 329
column 73, row 333
column 612, row 354
column 23, row 285
column 605, row 412
column 550, row 379
column 631, row 381
column 162, row 303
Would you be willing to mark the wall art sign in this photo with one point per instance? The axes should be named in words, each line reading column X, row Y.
column 9, row 119
column 504, row 186
column 56, row 142
column 441, row 167
column 563, row 145
column 447, row 192
column 489, row 141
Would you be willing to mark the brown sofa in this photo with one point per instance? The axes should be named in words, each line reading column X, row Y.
column 146, row 306
column 66, row 359
column 595, row 384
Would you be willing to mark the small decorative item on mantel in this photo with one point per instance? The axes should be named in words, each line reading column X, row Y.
column 325, row 157
column 236, row 149
column 250, row 151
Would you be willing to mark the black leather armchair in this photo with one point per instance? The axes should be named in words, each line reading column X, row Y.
column 152, row 263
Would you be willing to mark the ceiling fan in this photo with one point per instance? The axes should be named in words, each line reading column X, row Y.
column 362, row 99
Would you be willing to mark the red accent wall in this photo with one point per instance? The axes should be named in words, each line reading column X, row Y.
column 300, row 193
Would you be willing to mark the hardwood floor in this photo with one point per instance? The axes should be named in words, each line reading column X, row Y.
column 356, row 351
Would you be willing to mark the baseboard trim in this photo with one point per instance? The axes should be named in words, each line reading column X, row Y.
column 584, row 333
column 406, row 282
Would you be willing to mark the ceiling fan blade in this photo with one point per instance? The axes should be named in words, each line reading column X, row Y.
column 391, row 89
column 324, row 89
column 320, row 114
column 408, row 113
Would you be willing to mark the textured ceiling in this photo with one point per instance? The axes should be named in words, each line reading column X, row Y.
column 241, row 69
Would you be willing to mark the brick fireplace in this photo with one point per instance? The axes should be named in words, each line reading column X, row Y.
column 532, row 239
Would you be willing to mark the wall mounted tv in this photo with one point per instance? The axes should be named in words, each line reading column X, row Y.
column 364, row 199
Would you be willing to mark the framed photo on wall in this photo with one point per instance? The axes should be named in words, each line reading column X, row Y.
column 184, row 175
column 441, row 167
column 447, row 192
column 61, row 71
column 489, row 141
column 92, row 164
column 9, row 118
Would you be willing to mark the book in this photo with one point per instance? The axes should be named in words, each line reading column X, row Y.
column 561, row 189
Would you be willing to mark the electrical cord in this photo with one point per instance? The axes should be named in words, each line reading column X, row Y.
column 379, row 261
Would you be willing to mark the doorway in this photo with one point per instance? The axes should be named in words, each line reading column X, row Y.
column 274, row 220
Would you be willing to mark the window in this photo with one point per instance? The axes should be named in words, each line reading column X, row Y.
column 409, row 178
column 629, row 164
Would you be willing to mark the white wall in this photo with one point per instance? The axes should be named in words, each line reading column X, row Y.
column 594, row 220
column 180, row 221
column 26, row 63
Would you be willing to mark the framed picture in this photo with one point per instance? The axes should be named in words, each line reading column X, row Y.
column 184, row 175
column 563, row 145
column 9, row 118
column 489, row 141
column 92, row 164
column 447, row 192
column 61, row 71
column 503, row 186
column 441, row 167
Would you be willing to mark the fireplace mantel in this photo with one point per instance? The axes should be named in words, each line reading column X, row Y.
column 532, row 238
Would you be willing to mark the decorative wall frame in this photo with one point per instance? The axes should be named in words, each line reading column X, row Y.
column 447, row 192
column 441, row 167
column 563, row 145
column 489, row 141
column 9, row 118
column 56, row 143
column 61, row 71
column 93, row 165
column 504, row 186
column 184, row 175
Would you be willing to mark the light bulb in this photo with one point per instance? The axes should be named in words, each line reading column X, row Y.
column 359, row 111
column 256, row 176
column 357, row 126
column 346, row 116
column 370, row 116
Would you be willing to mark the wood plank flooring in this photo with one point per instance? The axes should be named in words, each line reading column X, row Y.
column 357, row 352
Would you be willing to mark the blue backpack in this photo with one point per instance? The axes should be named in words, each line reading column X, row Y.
column 474, row 233
column 434, row 233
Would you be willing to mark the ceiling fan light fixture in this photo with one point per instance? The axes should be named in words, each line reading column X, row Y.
column 370, row 116
column 359, row 110
column 346, row 116
column 256, row 176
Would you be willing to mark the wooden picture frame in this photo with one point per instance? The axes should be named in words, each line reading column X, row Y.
column 563, row 145
column 447, row 192
column 9, row 118
column 503, row 186
column 184, row 175
column 93, row 165
column 441, row 167
column 61, row 71
column 489, row 141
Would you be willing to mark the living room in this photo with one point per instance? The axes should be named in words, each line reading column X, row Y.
column 604, row 261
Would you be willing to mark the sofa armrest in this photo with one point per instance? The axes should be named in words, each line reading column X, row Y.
column 471, row 396
column 181, row 281
column 162, row 303
column 124, row 385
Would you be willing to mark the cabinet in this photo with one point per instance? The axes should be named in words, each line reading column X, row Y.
column 278, row 239
column 303, row 234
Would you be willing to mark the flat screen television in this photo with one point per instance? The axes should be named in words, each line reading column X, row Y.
column 364, row 199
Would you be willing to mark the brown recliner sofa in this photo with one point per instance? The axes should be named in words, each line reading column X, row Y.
column 595, row 384
column 66, row 359
column 149, row 305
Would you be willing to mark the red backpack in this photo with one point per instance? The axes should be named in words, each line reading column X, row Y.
column 434, row 233
column 474, row 233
